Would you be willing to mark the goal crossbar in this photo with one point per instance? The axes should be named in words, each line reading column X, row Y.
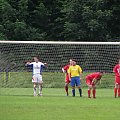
column 60, row 42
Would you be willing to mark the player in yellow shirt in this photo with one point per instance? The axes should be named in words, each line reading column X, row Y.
column 75, row 76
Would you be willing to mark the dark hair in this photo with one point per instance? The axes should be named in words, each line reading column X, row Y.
column 74, row 60
column 100, row 72
column 36, row 57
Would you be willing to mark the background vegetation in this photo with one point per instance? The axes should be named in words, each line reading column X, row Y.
column 50, row 79
column 65, row 20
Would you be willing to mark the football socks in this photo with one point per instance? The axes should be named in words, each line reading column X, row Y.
column 73, row 92
column 80, row 91
column 94, row 93
column 115, row 92
column 89, row 92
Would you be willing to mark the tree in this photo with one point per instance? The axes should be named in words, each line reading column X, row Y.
column 86, row 20
column 54, row 28
column 67, row 20
column 114, row 22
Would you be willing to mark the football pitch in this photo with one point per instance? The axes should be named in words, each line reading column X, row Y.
column 19, row 104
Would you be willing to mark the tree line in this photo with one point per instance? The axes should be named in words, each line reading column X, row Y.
column 64, row 20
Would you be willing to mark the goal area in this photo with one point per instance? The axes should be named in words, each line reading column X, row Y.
column 91, row 56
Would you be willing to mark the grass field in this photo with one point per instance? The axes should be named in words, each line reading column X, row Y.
column 19, row 104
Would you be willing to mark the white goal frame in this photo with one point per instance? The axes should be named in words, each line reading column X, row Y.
column 61, row 42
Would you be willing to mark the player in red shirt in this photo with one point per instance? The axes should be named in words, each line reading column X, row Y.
column 67, row 81
column 116, row 70
column 91, row 80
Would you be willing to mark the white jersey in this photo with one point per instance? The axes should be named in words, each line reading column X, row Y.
column 37, row 67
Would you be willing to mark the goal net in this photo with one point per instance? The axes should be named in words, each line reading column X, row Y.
column 91, row 56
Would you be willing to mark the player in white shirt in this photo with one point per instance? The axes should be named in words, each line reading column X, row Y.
column 37, row 74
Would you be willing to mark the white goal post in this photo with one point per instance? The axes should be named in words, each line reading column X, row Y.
column 91, row 56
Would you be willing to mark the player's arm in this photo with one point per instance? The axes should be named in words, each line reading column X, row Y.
column 27, row 63
column 64, row 69
column 45, row 64
column 80, row 72
column 114, row 69
column 69, row 74
column 81, row 76
column 94, row 81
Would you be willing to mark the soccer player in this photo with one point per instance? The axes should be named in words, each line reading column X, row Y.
column 37, row 74
column 91, row 81
column 65, row 70
column 116, row 70
column 75, row 76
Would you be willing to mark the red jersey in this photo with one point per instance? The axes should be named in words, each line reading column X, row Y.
column 116, row 70
column 66, row 71
column 92, row 76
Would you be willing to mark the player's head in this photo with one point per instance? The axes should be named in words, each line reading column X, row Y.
column 36, row 59
column 100, row 75
column 70, row 61
column 73, row 62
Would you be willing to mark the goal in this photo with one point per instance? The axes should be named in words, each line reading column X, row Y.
column 91, row 56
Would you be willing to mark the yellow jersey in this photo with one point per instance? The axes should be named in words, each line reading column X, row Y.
column 75, row 71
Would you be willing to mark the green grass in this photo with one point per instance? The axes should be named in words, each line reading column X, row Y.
column 19, row 104
column 17, row 101
column 50, row 79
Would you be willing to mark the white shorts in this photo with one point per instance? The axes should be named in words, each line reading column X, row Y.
column 37, row 78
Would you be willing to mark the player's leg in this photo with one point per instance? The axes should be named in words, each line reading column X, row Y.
column 89, row 92
column 117, row 87
column 66, row 87
column 40, row 89
column 115, row 90
column 72, row 83
column 78, row 83
column 40, row 82
column 34, row 84
column 67, row 81
column 118, row 90
column 73, row 91
column 94, row 91
column 80, row 90
column 34, row 88
column 88, row 82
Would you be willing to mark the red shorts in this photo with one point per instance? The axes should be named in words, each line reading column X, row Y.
column 117, row 80
column 67, row 79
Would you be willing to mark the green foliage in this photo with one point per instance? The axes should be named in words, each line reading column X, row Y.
column 90, row 18
column 2, row 37
column 76, row 20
